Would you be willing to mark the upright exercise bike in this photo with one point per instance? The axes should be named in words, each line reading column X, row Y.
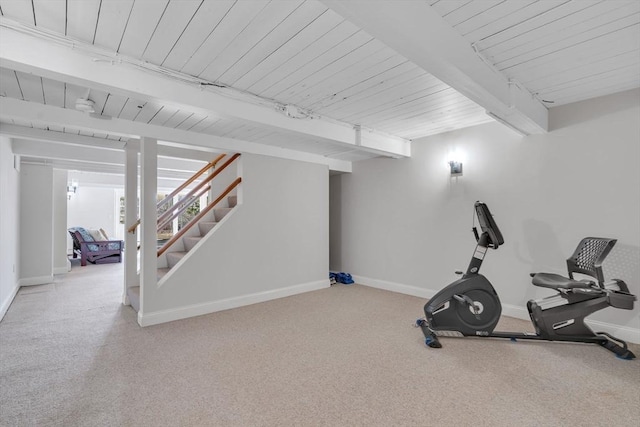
column 470, row 306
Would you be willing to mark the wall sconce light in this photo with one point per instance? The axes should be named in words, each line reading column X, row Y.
column 72, row 188
column 456, row 167
column 454, row 160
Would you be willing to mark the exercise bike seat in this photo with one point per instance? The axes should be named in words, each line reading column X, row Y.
column 556, row 281
column 587, row 259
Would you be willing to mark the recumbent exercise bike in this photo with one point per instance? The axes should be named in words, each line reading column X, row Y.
column 470, row 306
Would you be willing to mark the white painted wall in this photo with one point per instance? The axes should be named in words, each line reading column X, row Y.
column 274, row 244
column 405, row 224
column 9, row 226
column 94, row 208
column 61, row 262
column 36, row 224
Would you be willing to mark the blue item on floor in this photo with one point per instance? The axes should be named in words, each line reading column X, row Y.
column 344, row 278
column 332, row 278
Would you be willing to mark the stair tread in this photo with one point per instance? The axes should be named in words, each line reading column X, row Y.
column 206, row 226
column 176, row 254
column 191, row 241
column 162, row 272
column 174, row 257
column 220, row 213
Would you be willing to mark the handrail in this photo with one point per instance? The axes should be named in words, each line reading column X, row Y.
column 212, row 176
column 198, row 217
column 202, row 183
column 132, row 229
column 189, row 181
column 187, row 202
column 213, row 163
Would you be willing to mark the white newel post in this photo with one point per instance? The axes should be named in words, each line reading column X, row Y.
column 148, row 225
column 130, row 217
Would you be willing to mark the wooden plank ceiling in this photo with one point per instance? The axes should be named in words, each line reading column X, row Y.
column 302, row 53
column 563, row 51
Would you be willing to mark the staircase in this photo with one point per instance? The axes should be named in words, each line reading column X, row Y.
column 189, row 242
column 187, row 239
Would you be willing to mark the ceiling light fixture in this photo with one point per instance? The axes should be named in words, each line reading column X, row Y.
column 85, row 105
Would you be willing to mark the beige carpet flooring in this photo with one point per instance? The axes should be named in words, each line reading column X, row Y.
column 72, row 355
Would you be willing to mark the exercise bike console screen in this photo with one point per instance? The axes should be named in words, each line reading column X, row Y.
column 488, row 225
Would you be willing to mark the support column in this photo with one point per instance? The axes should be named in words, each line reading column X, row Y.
column 148, row 225
column 174, row 223
column 131, row 278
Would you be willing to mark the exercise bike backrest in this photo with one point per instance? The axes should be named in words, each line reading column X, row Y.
column 588, row 257
column 488, row 226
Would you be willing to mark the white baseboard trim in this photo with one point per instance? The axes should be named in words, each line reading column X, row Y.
column 7, row 302
column 32, row 281
column 394, row 287
column 625, row 333
column 163, row 316
column 60, row 270
column 515, row 311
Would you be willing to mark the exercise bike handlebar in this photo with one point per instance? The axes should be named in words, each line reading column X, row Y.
column 488, row 226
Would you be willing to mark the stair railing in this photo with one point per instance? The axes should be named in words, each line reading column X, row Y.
column 182, row 206
column 185, row 184
column 191, row 197
column 161, row 203
column 202, row 213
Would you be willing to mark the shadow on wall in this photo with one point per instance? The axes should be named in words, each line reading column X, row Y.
column 542, row 250
column 565, row 116
column 543, row 254
column 622, row 263
column 335, row 223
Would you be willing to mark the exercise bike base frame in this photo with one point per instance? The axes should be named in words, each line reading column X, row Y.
column 432, row 339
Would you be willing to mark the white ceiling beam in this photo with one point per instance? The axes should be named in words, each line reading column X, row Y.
column 92, row 159
column 40, row 114
column 98, row 175
column 58, row 137
column 86, row 65
column 89, row 178
column 165, row 149
column 72, row 165
column 169, row 179
column 47, row 150
column 415, row 30
column 167, row 166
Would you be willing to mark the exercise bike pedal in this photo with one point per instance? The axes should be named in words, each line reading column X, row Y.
column 464, row 299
